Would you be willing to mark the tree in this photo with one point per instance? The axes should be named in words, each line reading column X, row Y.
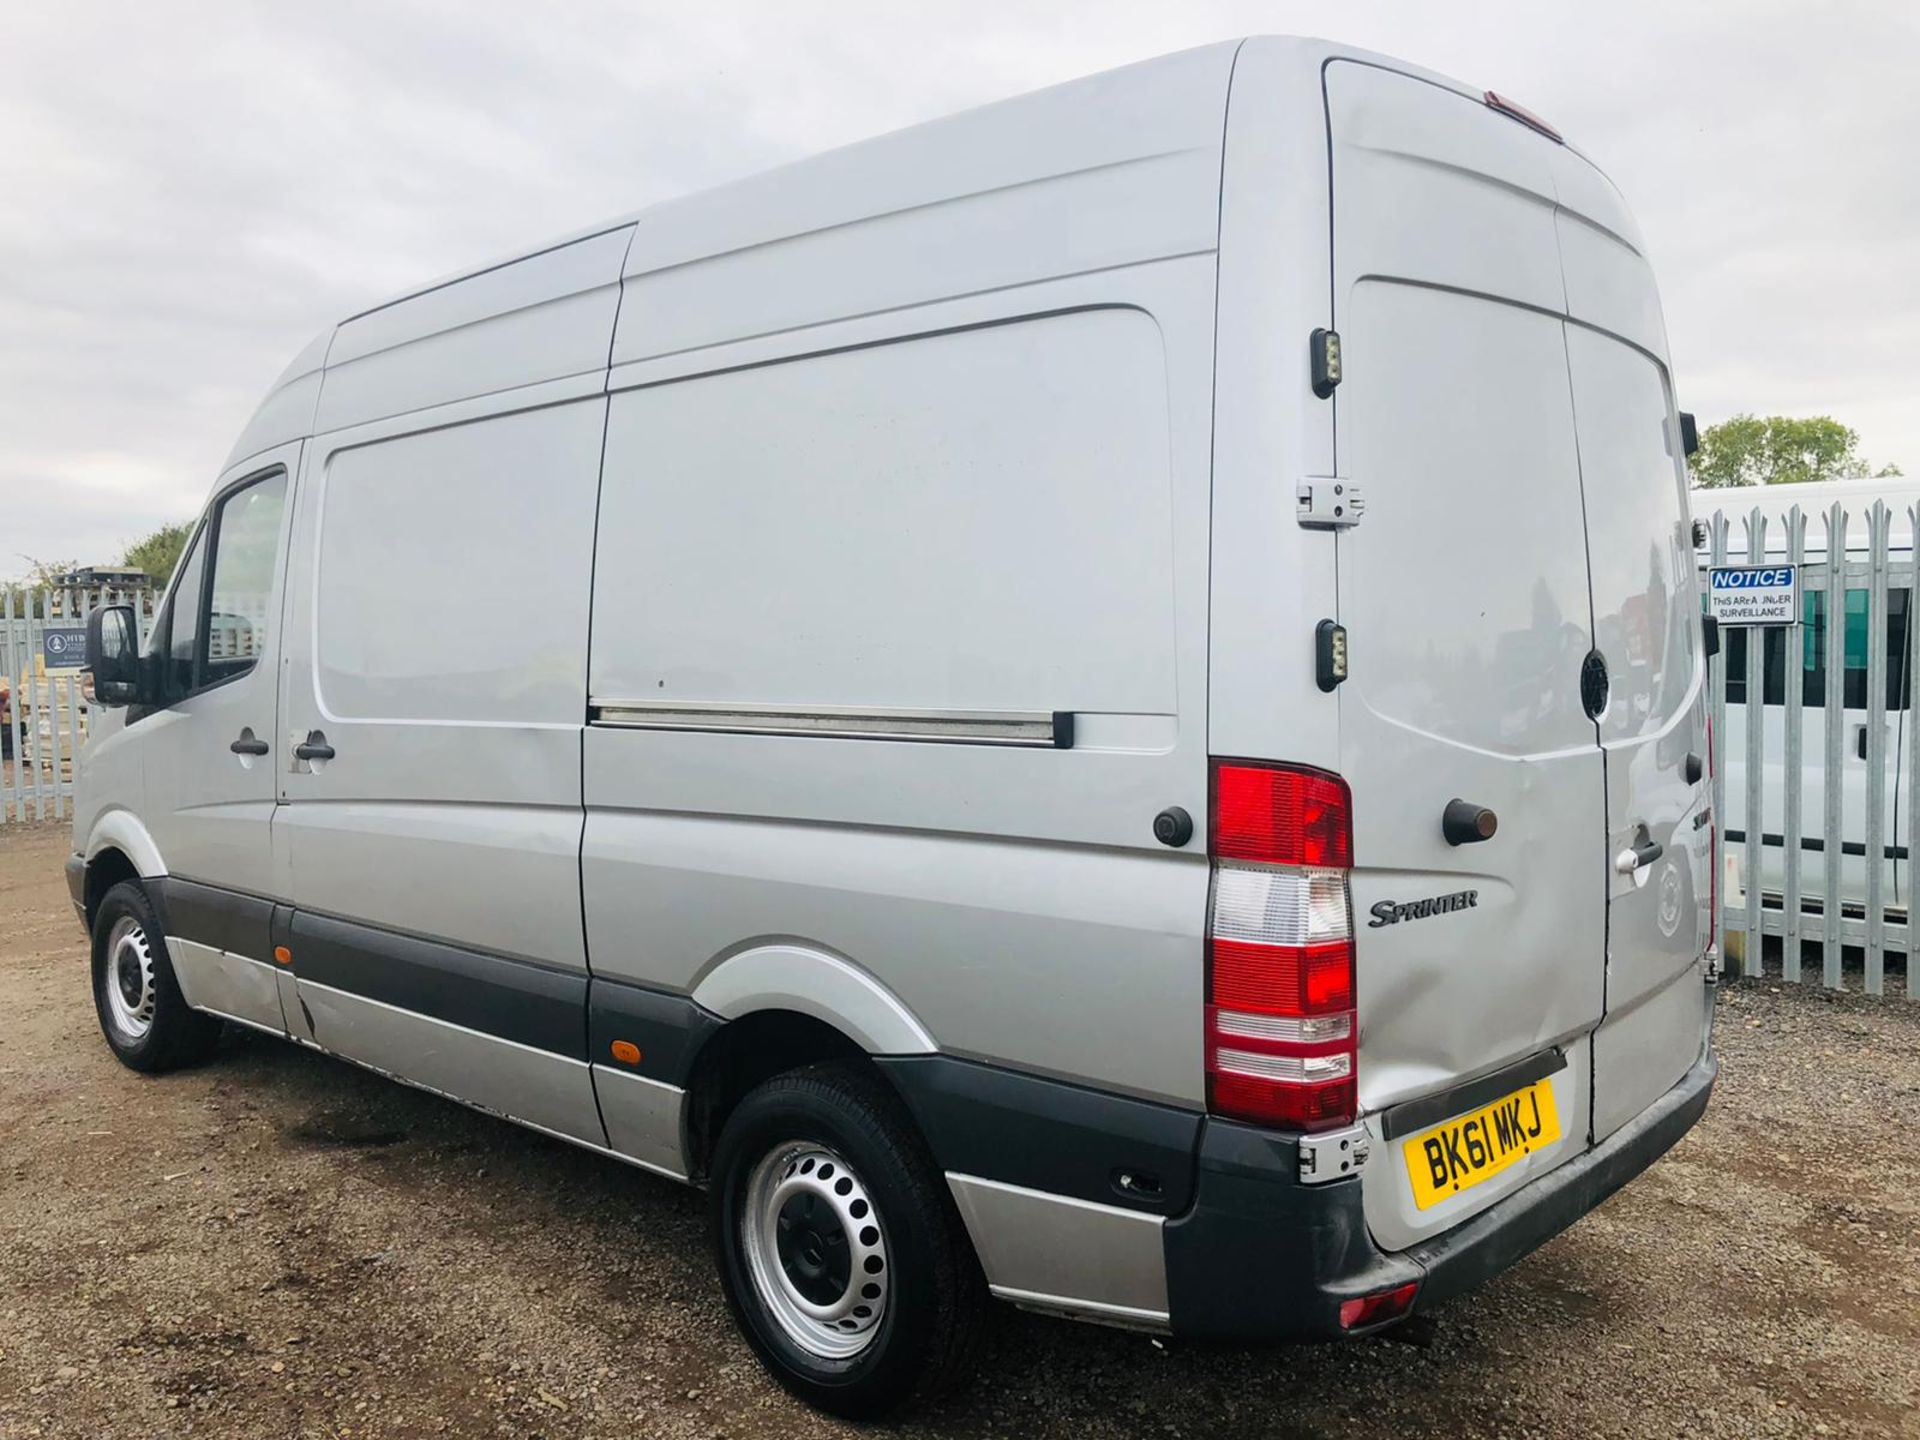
column 40, row 577
column 1780, row 450
column 159, row 552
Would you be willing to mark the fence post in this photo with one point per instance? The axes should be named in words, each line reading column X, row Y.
column 1877, row 535
column 9, row 769
column 1755, row 710
column 1832, row 790
column 1717, row 676
column 1793, row 760
column 30, row 683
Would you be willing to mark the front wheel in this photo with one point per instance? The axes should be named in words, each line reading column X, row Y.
column 147, row 1021
column 840, row 1252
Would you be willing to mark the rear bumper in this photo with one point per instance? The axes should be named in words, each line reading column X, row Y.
column 1259, row 1256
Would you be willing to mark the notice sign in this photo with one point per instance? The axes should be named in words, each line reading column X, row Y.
column 65, row 646
column 1754, row 594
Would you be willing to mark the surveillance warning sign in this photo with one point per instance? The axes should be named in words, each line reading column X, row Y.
column 1754, row 594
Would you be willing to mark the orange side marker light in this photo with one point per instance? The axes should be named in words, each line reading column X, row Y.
column 626, row 1052
column 282, row 954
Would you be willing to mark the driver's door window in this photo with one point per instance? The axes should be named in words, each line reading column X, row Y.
column 246, row 541
column 215, row 632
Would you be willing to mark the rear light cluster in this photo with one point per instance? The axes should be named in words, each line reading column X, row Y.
column 1280, row 985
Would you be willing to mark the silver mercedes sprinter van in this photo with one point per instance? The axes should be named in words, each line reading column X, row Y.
column 1097, row 702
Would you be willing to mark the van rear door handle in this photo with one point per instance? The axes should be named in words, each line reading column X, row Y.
column 314, row 747
column 248, row 743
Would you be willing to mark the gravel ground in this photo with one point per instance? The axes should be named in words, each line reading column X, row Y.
column 280, row 1245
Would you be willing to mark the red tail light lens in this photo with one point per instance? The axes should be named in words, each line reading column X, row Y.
column 1281, row 817
column 1280, row 981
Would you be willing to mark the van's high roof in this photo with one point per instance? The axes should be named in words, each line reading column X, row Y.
column 1152, row 111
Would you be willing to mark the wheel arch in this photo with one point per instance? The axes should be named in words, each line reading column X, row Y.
column 785, row 1005
column 119, row 848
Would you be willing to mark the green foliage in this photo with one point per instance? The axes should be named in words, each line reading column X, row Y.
column 1780, row 450
column 27, row 591
column 160, row 552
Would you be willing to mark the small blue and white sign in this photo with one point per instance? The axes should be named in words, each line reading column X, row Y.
column 1754, row 594
column 65, row 646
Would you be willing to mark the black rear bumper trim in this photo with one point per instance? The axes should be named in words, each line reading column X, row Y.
column 1261, row 1257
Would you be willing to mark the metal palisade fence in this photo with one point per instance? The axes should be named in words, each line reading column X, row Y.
column 1817, row 848
column 43, row 720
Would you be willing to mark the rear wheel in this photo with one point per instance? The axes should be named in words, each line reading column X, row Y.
column 841, row 1254
column 148, row 1024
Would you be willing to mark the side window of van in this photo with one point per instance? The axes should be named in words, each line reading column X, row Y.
column 181, row 624
column 213, row 633
column 246, row 542
column 1811, row 645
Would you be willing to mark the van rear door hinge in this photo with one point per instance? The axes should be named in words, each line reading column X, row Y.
column 1326, row 502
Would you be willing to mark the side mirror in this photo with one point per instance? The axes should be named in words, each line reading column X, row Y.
column 113, row 655
column 1689, row 434
column 1710, row 635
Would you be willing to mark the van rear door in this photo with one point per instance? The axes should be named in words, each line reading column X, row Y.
column 1646, row 607
column 1464, row 590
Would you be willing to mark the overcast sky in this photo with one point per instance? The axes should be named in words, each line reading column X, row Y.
column 188, row 193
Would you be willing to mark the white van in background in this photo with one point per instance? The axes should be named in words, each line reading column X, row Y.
column 1805, row 645
column 1099, row 702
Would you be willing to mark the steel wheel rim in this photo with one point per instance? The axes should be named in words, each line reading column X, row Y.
column 128, row 983
column 807, row 1221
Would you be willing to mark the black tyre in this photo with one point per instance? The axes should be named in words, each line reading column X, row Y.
column 147, row 1022
column 842, row 1256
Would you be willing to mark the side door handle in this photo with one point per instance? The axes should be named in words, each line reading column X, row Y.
column 249, row 743
column 314, row 747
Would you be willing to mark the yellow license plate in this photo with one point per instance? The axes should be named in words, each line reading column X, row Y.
column 1458, row 1155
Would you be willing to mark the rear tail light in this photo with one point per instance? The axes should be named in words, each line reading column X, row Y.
column 1280, row 986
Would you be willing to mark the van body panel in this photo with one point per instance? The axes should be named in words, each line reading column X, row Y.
column 1646, row 608
column 1049, row 1251
column 537, row 1087
column 1464, row 591
column 231, row 984
column 544, row 318
column 1060, row 420
column 1466, row 661
column 702, row 844
column 285, row 415
column 208, row 809
column 643, row 1118
column 1096, row 175
column 1433, row 187
column 1107, row 936
column 1271, row 581
column 452, row 807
